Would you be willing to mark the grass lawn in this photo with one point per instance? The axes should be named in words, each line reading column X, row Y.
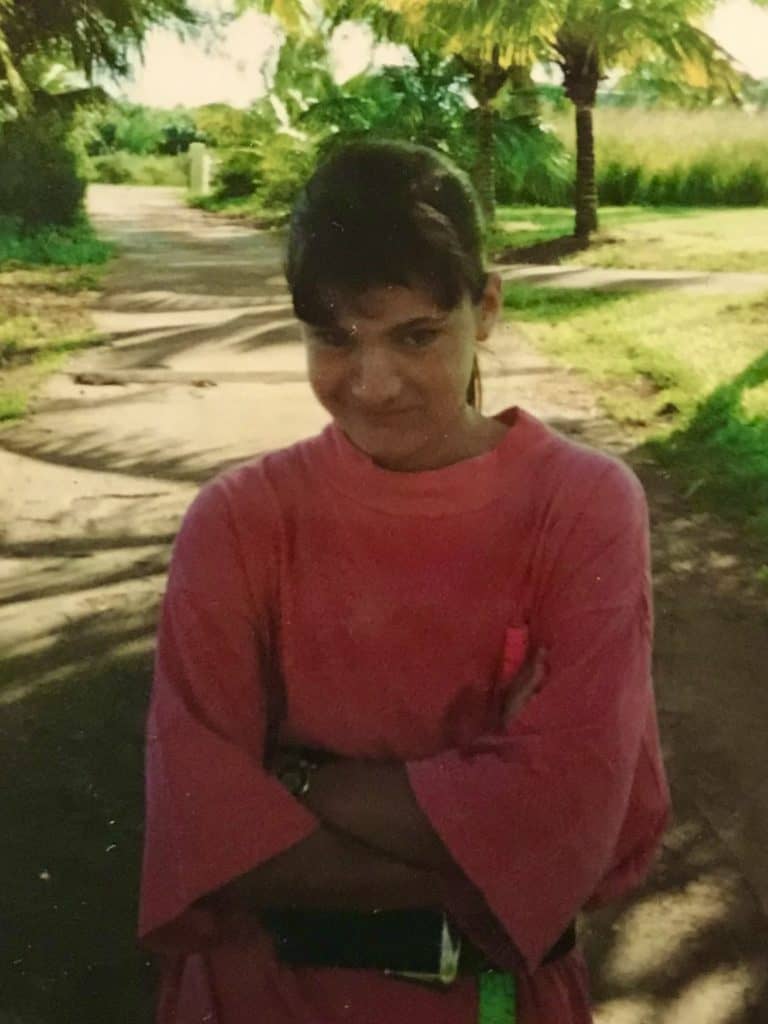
column 648, row 238
column 46, row 282
column 247, row 208
column 691, row 373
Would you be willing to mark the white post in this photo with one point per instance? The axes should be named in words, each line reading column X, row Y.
column 199, row 169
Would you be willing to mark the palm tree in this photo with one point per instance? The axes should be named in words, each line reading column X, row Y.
column 585, row 38
column 84, row 34
column 488, row 62
column 498, row 42
column 11, row 82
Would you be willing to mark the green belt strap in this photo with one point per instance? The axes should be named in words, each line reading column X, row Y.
column 497, row 1002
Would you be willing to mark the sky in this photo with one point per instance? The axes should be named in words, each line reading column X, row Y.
column 191, row 73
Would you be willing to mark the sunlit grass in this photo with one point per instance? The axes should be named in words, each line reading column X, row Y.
column 57, row 246
column 46, row 282
column 642, row 238
column 659, row 139
column 709, row 157
column 247, row 208
column 689, row 372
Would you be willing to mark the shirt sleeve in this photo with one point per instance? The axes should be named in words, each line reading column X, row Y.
column 532, row 813
column 212, row 811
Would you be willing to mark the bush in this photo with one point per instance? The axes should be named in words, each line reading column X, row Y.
column 285, row 166
column 748, row 184
column 238, row 174
column 40, row 181
column 619, row 184
column 273, row 175
column 63, row 246
column 532, row 165
column 133, row 169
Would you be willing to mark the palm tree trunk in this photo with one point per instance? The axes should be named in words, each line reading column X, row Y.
column 485, row 169
column 586, row 184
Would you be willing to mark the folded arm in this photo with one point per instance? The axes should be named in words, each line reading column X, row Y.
column 331, row 871
column 373, row 801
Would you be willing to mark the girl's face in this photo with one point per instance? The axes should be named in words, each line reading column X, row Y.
column 393, row 372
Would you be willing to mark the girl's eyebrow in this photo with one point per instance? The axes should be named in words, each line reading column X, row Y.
column 333, row 328
column 420, row 321
column 336, row 328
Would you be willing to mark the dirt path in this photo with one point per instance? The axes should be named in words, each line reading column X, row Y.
column 567, row 276
column 205, row 369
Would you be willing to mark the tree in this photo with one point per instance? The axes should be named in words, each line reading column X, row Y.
column 584, row 38
column 587, row 37
column 40, row 182
column 484, row 62
column 82, row 34
column 424, row 102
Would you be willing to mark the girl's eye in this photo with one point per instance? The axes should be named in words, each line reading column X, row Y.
column 419, row 338
column 332, row 339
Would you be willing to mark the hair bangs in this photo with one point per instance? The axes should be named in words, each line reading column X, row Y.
column 344, row 256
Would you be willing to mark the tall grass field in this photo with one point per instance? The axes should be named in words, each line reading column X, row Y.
column 674, row 157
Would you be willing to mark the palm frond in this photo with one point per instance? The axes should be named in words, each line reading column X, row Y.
column 19, row 93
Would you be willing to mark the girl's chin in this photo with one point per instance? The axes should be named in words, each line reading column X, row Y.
column 386, row 445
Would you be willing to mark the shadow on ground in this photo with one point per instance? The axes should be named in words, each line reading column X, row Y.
column 687, row 947
column 72, row 786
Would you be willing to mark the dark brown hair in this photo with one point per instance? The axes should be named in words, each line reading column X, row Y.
column 378, row 213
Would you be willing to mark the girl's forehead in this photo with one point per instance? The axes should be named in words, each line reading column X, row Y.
column 386, row 305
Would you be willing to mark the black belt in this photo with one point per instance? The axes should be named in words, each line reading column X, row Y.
column 397, row 941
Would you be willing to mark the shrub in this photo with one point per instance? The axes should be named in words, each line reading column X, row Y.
column 620, row 184
column 133, row 169
column 40, row 181
column 285, row 165
column 532, row 165
column 55, row 246
column 749, row 184
column 238, row 174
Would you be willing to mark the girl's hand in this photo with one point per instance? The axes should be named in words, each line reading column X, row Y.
column 526, row 683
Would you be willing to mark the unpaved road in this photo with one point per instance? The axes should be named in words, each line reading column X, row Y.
column 205, row 368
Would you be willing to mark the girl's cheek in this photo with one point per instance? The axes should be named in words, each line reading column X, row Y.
column 326, row 373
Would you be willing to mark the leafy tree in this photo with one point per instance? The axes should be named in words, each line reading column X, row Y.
column 658, row 84
column 484, row 63
column 225, row 127
column 584, row 38
column 177, row 133
column 84, row 34
column 303, row 76
column 38, row 162
column 587, row 37
column 424, row 102
column 39, row 170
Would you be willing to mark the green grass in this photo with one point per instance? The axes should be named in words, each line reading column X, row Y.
column 46, row 281
column 247, row 208
column 640, row 238
column 135, row 169
column 77, row 246
column 690, row 373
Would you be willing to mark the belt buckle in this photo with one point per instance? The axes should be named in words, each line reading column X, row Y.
column 450, row 952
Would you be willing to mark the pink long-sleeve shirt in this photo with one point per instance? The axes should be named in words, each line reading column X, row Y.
column 399, row 607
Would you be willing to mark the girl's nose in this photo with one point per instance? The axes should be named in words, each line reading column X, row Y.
column 375, row 377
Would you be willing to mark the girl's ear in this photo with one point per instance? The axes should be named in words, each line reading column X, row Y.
column 488, row 308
